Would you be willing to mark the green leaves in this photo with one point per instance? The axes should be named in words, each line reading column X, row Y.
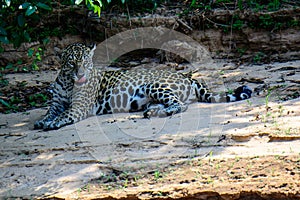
column 43, row 6
column 24, row 5
column 77, row 2
column 21, row 20
column 30, row 52
column 37, row 57
column 30, row 10
column 4, row 39
column 2, row 31
column 16, row 18
column 3, row 36
column 96, row 8
column 95, row 5
column 7, row 2
column 3, row 102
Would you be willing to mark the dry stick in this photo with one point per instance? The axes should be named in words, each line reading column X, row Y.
column 128, row 16
column 215, row 23
column 184, row 24
column 107, row 54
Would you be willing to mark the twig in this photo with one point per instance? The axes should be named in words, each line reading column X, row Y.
column 184, row 24
column 217, row 24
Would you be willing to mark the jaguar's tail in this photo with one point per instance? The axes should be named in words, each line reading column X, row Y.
column 240, row 93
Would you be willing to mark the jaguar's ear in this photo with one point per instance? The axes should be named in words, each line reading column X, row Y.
column 93, row 46
column 58, row 52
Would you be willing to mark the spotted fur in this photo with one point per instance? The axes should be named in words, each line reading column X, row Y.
column 81, row 90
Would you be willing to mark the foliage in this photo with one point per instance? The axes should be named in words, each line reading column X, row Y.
column 22, row 21
column 22, row 97
column 18, row 19
column 36, row 55
column 3, row 81
column 94, row 5
column 262, row 14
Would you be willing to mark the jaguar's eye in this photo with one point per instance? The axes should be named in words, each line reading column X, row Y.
column 71, row 57
column 72, row 62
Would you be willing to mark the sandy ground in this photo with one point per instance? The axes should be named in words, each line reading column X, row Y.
column 224, row 151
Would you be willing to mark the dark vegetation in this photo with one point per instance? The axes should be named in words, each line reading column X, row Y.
column 32, row 20
column 38, row 20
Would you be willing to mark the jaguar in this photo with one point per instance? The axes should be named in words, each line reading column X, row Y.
column 81, row 90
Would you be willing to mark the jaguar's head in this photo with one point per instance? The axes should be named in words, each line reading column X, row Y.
column 76, row 60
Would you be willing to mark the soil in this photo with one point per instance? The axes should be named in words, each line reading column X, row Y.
column 241, row 150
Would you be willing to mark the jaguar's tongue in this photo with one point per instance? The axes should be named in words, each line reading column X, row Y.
column 81, row 80
column 81, row 76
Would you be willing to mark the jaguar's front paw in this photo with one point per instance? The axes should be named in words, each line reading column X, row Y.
column 56, row 124
column 51, row 126
column 243, row 92
column 38, row 124
column 41, row 124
